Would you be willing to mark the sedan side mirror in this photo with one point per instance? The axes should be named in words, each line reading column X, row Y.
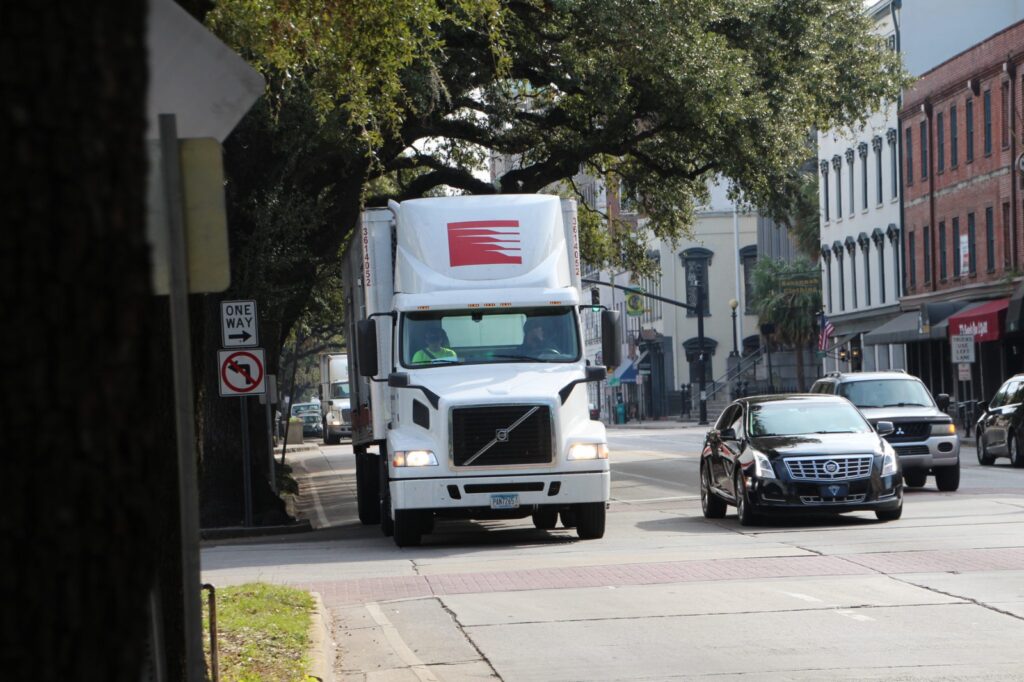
column 884, row 428
column 727, row 434
column 942, row 400
column 983, row 406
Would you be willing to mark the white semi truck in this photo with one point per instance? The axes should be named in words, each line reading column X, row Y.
column 335, row 408
column 465, row 338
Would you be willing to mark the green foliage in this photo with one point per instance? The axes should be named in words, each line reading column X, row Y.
column 262, row 632
column 792, row 311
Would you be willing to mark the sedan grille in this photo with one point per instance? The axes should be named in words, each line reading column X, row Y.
column 817, row 499
column 501, row 435
column 829, row 468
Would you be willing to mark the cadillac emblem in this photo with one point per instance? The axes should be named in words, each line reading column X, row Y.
column 831, row 467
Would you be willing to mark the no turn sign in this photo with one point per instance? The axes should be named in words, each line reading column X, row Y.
column 241, row 372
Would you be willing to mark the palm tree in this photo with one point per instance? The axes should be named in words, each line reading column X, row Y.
column 789, row 296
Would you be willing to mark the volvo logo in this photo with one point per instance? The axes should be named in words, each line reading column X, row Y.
column 831, row 467
column 501, row 435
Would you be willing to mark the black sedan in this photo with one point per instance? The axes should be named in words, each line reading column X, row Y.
column 1001, row 425
column 798, row 453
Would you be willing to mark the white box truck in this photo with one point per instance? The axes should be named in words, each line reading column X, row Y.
column 465, row 339
column 335, row 406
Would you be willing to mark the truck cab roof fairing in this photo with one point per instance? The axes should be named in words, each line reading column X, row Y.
column 453, row 243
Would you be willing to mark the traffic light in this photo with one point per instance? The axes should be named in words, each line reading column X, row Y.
column 595, row 298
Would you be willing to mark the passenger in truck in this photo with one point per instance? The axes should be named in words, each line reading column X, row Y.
column 435, row 350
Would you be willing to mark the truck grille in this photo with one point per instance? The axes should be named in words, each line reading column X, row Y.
column 829, row 468
column 501, row 435
column 346, row 415
column 909, row 432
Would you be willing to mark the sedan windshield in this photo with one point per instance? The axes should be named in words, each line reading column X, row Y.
column 458, row 337
column 886, row 393
column 791, row 418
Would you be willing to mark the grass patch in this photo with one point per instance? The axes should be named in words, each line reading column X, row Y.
column 262, row 633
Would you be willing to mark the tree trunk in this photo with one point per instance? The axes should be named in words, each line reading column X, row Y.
column 93, row 515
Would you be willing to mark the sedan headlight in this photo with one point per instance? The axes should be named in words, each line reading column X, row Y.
column 763, row 466
column 888, row 464
column 944, row 429
column 588, row 451
column 413, row 458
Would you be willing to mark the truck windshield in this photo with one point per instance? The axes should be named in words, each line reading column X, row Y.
column 447, row 337
column 339, row 389
column 886, row 393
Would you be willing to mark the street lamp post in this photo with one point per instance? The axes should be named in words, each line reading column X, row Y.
column 703, row 414
column 733, row 303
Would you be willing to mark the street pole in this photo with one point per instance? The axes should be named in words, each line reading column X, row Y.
column 735, row 345
column 703, row 415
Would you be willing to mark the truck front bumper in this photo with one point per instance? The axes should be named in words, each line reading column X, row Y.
column 475, row 491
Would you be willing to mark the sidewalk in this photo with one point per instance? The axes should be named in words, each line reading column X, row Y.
column 673, row 423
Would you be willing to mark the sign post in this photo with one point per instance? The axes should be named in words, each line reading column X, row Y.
column 243, row 373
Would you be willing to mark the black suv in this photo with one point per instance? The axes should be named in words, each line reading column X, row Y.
column 925, row 437
column 1000, row 427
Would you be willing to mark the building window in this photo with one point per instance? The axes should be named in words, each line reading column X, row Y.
column 865, row 247
column 1007, row 123
column 958, row 248
column 826, row 255
column 910, row 156
column 862, row 151
column 696, row 262
column 851, row 248
column 837, row 166
column 986, row 108
column 969, row 120
column 990, row 240
column 837, row 250
column 942, row 251
column 879, row 239
column 923, row 141
column 748, row 259
column 926, row 256
column 1006, row 236
column 876, row 146
column 972, row 260
column 894, row 168
column 953, row 137
column 940, row 141
column 824, row 185
column 912, row 255
column 849, row 163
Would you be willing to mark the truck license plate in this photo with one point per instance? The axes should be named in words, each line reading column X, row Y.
column 507, row 501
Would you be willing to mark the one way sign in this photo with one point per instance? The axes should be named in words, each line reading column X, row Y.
column 239, row 324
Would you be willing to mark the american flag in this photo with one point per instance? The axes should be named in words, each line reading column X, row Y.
column 827, row 330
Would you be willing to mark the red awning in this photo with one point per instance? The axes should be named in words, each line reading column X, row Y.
column 984, row 322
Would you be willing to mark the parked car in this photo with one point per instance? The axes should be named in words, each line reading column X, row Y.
column 311, row 424
column 1000, row 429
column 924, row 436
column 798, row 453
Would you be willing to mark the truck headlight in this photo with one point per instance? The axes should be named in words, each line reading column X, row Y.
column 944, row 429
column 588, row 451
column 888, row 464
column 763, row 466
column 413, row 458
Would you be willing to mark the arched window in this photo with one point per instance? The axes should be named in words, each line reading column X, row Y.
column 696, row 354
column 748, row 260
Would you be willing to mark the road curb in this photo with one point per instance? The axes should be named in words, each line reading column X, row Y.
column 302, row 526
column 305, row 447
column 321, row 649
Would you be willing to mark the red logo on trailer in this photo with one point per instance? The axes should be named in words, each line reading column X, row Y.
column 484, row 242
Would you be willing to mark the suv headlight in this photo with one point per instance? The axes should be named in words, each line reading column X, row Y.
column 588, row 451
column 888, row 464
column 944, row 429
column 763, row 466
column 413, row 458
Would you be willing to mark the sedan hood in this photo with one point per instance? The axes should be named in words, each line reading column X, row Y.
column 875, row 414
column 818, row 444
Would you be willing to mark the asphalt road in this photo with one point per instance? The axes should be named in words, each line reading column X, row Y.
column 665, row 594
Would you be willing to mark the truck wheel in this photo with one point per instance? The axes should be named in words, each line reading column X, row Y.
column 545, row 519
column 590, row 518
column 387, row 523
column 947, row 479
column 427, row 522
column 408, row 527
column 568, row 517
column 367, row 489
column 915, row 478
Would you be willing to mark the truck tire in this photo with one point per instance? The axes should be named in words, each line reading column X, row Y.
column 947, row 479
column 545, row 519
column 590, row 518
column 915, row 478
column 387, row 523
column 568, row 517
column 367, row 488
column 408, row 527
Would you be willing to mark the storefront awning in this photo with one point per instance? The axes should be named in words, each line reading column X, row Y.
column 626, row 372
column 901, row 329
column 984, row 321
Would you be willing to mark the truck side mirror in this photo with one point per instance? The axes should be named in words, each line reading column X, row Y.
column 597, row 373
column 942, row 400
column 884, row 428
column 611, row 338
column 366, row 345
column 398, row 380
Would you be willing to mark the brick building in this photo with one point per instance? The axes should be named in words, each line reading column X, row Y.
column 963, row 242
